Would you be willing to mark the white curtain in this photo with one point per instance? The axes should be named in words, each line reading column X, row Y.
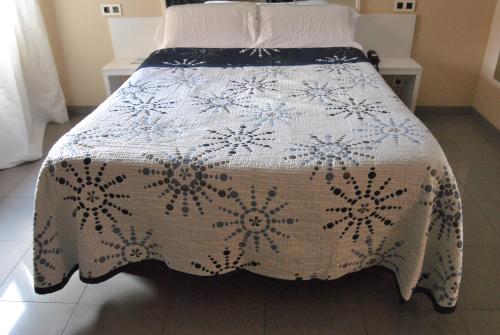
column 30, row 93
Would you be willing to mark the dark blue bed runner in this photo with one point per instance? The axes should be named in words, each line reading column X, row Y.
column 211, row 57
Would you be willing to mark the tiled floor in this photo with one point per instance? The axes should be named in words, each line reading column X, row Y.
column 242, row 303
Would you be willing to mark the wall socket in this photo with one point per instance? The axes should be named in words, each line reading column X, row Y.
column 397, row 82
column 111, row 9
column 405, row 5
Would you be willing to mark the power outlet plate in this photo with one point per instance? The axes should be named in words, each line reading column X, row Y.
column 405, row 5
column 111, row 9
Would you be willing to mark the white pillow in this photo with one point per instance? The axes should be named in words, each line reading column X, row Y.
column 220, row 25
column 312, row 26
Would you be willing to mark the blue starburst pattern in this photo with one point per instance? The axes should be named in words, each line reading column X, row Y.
column 336, row 59
column 227, row 263
column 92, row 196
column 184, row 79
column 329, row 152
column 220, row 103
column 90, row 138
column 379, row 131
column 366, row 206
column 380, row 255
column 259, row 52
column 314, row 91
column 235, row 140
column 359, row 79
column 184, row 65
column 338, row 65
column 252, row 85
column 128, row 248
column 444, row 280
column 153, row 129
column 185, row 180
column 45, row 247
column 446, row 204
column 256, row 224
column 271, row 114
column 278, row 72
column 141, row 87
column 349, row 106
column 140, row 106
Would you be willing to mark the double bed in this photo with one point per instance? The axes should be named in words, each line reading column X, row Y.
column 293, row 163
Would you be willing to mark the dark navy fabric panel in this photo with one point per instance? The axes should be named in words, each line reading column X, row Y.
column 211, row 57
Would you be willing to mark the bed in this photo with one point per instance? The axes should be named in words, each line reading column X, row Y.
column 292, row 163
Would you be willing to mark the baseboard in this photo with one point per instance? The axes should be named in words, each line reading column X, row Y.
column 484, row 121
column 465, row 110
column 443, row 110
column 80, row 110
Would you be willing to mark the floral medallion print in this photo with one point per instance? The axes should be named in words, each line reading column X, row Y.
column 226, row 262
column 444, row 199
column 45, row 249
column 405, row 130
column 185, row 180
column 361, row 109
column 316, row 92
column 256, row 224
column 140, row 106
column 234, row 141
column 388, row 257
column 444, row 280
column 271, row 115
column 259, row 52
column 176, row 66
column 91, row 192
column 128, row 247
column 328, row 153
column 358, row 79
column 252, row 85
column 224, row 103
column 365, row 205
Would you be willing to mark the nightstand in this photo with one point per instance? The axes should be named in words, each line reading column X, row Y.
column 403, row 74
column 116, row 72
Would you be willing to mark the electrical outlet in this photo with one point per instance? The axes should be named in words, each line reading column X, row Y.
column 405, row 5
column 397, row 82
column 111, row 9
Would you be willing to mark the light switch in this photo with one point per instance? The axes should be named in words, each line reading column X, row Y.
column 405, row 5
column 111, row 9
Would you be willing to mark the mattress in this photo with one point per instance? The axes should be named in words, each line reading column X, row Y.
column 289, row 163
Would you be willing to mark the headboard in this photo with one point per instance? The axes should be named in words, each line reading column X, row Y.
column 356, row 4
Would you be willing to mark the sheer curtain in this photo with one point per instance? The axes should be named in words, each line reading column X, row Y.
column 30, row 93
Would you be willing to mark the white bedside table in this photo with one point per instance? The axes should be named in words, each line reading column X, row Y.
column 406, row 70
column 116, row 72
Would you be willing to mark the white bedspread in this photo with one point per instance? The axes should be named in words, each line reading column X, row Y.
column 296, row 172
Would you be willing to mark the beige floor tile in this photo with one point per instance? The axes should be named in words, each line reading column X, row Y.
column 131, row 290
column 26, row 188
column 10, row 254
column 478, row 231
column 338, row 322
column 338, row 294
column 205, row 321
column 24, row 318
column 19, row 286
column 111, row 319
column 482, row 322
column 480, row 287
column 16, row 219
column 233, row 291
column 413, row 322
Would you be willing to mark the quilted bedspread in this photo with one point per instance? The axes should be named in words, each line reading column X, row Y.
column 290, row 163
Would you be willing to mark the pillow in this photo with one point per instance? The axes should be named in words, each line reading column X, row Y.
column 220, row 25
column 312, row 26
